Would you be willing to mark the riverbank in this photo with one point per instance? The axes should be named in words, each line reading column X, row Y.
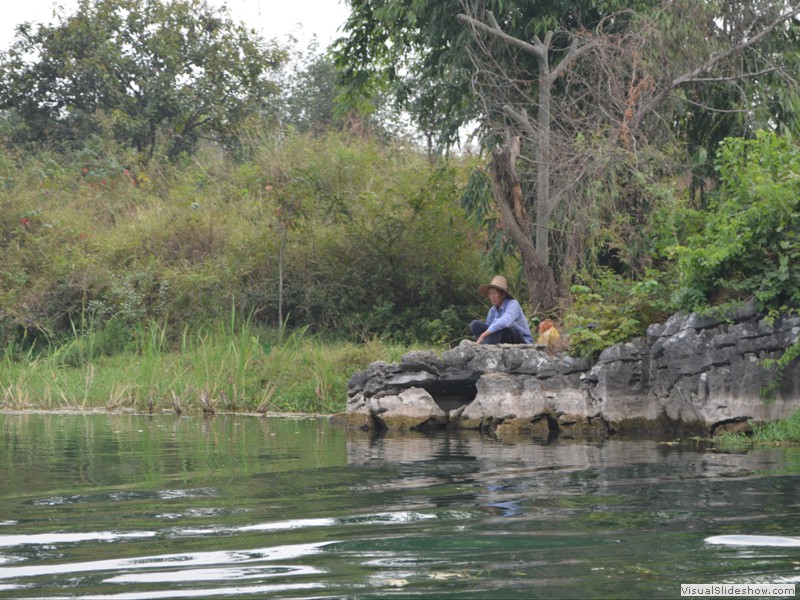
column 693, row 375
column 228, row 369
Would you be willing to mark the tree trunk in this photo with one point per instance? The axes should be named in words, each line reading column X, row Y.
column 542, row 289
column 544, row 204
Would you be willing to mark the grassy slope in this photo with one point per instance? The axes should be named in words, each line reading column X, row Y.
column 120, row 286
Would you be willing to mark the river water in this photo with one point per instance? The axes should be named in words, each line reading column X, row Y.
column 131, row 506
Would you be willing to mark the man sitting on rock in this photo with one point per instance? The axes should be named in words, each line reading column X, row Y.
column 505, row 323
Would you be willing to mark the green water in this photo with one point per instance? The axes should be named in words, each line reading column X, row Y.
column 124, row 506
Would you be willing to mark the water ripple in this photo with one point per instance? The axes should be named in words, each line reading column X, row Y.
column 54, row 538
column 124, row 496
column 219, row 574
column 198, row 593
column 754, row 540
column 194, row 559
column 69, row 538
column 367, row 519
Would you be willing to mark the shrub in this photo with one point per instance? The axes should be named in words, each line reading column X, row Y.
column 749, row 242
column 613, row 309
column 374, row 244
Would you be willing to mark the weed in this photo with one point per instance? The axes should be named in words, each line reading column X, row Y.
column 781, row 432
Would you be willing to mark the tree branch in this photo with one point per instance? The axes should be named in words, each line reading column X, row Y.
column 733, row 77
column 521, row 118
column 537, row 48
column 573, row 54
column 716, row 59
column 708, row 65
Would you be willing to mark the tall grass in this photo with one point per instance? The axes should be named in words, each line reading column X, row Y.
column 783, row 432
column 233, row 365
column 151, row 347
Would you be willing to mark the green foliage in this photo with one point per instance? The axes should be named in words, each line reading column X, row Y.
column 747, row 243
column 375, row 245
column 781, row 432
column 729, row 106
column 309, row 102
column 661, row 92
column 371, row 252
column 157, row 76
column 791, row 356
column 477, row 201
column 418, row 51
column 613, row 310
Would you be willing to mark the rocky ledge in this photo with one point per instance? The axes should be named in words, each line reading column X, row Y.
column 692, row 375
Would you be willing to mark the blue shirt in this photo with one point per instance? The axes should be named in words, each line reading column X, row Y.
column 509, row 315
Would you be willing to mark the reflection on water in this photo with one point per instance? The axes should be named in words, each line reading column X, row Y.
column 122, row 506
column 754, row 540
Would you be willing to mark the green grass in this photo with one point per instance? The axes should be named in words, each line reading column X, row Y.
column 783, row 432
column 233, row 365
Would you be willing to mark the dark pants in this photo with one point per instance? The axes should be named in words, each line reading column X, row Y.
column 502, row 336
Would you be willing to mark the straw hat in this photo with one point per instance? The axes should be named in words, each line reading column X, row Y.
column 499, row 282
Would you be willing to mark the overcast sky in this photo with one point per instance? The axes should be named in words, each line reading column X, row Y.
column 272, row 18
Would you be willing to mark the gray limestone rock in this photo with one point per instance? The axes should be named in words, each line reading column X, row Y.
column 413, row 408
column 691, row 373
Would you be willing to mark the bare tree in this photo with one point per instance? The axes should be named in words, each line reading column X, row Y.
column 566, row 108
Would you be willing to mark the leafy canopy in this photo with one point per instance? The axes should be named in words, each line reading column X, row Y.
column 418, row 50
column 747, row 242
column 149, row 71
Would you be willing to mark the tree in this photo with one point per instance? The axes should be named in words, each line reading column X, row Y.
column 562, row 107
column 721, row 104
column 538, row 131
column 747, row 243
column 309, row 100
column 424, row 51
column 150, row 71
column 416, row 49
column 611, row 88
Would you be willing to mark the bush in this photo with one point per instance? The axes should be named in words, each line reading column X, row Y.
column 374, row 244
column 747, row 243
column 612, row 310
